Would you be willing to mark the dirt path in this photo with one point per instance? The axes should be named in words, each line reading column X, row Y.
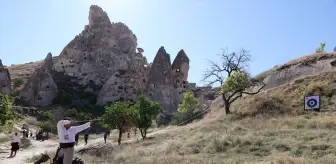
column 39, row 147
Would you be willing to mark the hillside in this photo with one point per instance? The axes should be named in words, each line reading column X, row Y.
column 103, row 64
column 268, row 127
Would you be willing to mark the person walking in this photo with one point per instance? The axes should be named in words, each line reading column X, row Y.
column 86, row 137
column 66, row 135
column 105, row 136
column 76, row 139
column 15, row 139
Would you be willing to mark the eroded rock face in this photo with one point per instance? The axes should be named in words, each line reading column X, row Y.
column 5, row 80
column 99, row 51
column 299, row 70
column 160, row 81
column 181, row 64
column 125, row 85
column 40, row 88
column 180, row 68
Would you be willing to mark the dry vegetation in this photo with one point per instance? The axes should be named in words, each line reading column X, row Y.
column 267, row 128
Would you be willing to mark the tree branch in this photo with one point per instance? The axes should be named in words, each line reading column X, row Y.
column 253, row 93
column 234, row 99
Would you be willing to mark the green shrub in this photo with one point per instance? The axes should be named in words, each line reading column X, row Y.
column 7, row 111
column 17, row 82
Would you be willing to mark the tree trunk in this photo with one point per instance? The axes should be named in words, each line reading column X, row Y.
column 227, row 108
column 120, row 135
column 227, row 104
column 143, row 135
column 145, row 131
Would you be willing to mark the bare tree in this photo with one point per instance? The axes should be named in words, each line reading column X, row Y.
column 231, row 74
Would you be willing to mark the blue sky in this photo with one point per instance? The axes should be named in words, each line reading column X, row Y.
column 275, row 31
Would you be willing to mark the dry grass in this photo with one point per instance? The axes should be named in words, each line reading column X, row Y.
column 4, row 138
column 307, row 138
column 267, row 128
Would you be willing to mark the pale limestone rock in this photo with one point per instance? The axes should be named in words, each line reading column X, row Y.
column 5, row 80
column 160, row 81
column 181, row 64
column 40, row 88
column 299, row 70
column 125, row 85
column 99, row 51
column 180, row 69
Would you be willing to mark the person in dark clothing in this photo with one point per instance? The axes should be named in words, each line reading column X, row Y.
column 105, row 136
column 86, row 137
column 15, row 143
column 76, row 139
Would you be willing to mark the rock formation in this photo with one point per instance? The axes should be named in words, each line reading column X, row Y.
column 181, row 64
column 98, row 52
column 102, row 62
column 5, row 80
column 180, row 69
column 125, row 85
column 160, row 81
column 312, row 65
column 40, row 88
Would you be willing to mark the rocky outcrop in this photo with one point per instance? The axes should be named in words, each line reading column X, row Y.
column 5, row 80
column 181, row 64
column 160, row 81
column 101, row 65
column 125, row 85
column 98, row 52
column 180, row 69
column 40, row 88
column 311, row 65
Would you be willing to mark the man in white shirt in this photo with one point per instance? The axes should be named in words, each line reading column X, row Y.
column 15, row 139
column 66, row 136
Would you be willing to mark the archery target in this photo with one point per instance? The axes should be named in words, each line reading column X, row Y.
column 312, row 102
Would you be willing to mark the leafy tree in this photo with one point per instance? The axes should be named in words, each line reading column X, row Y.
column 321, row 48
column 118, row 116
column 145, row 111
column 7, row 111
column 231, row 74
column 187, row 110
column 190, row 103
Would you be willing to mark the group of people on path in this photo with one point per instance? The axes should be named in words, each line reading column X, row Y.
column 68, row 137
column 86, row 137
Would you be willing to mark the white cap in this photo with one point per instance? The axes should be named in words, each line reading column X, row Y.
column 66, row 122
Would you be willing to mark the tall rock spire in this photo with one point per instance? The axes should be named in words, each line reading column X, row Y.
column 97, row 16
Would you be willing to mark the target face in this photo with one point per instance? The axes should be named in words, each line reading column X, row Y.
column 312, row 102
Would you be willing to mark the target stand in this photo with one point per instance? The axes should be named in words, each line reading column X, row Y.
column 312, row 103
